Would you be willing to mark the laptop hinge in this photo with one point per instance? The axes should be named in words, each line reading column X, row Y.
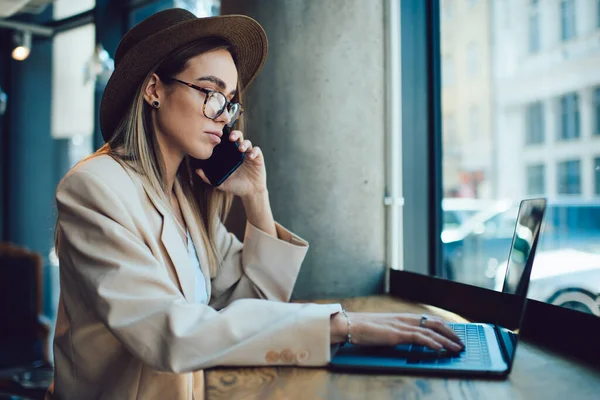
column 503, row 348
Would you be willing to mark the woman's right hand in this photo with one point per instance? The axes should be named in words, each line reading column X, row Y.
column 378, row 329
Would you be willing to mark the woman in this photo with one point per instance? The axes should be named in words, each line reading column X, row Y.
column 153, row 287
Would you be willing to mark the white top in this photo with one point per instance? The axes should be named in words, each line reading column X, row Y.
column 200, row 283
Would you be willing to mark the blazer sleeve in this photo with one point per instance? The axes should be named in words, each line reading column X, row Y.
column 104, row 259
column 262, row 267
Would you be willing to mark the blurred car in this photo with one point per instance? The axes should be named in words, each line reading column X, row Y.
column 456, row 211
column 567, row 278
column 483, row 240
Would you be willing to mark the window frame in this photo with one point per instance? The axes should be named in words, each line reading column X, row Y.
column 421, row 116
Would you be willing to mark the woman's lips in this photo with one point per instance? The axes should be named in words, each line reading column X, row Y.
column 214, row 136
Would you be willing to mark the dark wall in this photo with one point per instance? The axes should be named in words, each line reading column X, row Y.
column 4, row 74
column 32, row 161
column 32, row 179
column 140, row 13
column 112, row 19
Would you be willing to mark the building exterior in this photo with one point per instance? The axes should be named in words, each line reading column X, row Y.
column 466, row 97
column 546, row 90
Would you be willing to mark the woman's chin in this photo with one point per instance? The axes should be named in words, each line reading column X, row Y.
column 201, row 154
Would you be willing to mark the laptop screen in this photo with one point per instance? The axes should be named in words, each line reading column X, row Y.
column 520, row 263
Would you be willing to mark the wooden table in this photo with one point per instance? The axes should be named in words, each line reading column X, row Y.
column 536, row 374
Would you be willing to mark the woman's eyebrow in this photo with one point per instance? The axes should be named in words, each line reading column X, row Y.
column 219, row 82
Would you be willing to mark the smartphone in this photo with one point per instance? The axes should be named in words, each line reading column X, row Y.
column 225, row 159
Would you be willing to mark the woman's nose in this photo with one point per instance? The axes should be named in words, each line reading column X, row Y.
column 225, row 117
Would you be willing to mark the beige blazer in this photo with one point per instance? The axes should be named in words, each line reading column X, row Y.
column 128, row 326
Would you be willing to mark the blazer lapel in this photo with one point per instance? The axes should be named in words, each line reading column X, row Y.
column 192, row 221
column 177, row 250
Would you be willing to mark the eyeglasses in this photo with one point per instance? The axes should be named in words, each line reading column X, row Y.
column 215, row 103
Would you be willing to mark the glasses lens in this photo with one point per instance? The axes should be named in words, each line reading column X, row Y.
column 214, row 104
column 234, row 112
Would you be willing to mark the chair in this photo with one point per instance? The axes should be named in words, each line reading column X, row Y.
column 24, row 366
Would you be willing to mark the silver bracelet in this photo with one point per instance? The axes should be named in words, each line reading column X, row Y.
column 348, row 336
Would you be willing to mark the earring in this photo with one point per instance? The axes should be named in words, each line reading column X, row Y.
column 155, row 104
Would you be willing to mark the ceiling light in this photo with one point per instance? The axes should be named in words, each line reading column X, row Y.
column 22, row 41
column 99, row 67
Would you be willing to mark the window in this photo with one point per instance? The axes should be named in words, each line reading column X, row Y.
column 201, row 8
column 569, row 117
column 536, row 179
column 567, row 19
column 597, row 175
column 534, row 122
column 448, row 71
column 73, row 89
column 531, row 141
column 62, row 9
column 474, row 123
column 473, row 59
column 597, row 111
column 569, row 177
column 534, row 28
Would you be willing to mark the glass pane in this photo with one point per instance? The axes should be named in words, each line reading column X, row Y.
column 597, row 174
column 67, row 8
column 569, row 177
column 72, row 92
column 472, row 59
column 448, row 71
column 534, row 32
column 447, row 7
column 534, row 133
column 525, row 124
column 569, row 115
column 568, row 19
column 536, row 180
column 596, row 112
column 201, row 8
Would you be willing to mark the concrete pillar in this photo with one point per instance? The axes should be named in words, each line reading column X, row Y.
column 317, row 111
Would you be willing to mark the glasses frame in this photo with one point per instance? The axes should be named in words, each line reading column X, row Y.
column 207, row 93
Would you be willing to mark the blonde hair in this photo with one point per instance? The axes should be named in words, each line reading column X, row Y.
column 134, row 145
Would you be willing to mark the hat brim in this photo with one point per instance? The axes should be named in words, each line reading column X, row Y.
column 246, row 36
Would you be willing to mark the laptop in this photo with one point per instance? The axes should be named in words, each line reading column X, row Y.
column 489, row 348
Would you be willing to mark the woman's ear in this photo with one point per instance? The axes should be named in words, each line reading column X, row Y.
column 153, row 90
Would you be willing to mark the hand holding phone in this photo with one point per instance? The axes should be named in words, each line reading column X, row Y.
column 225, row 159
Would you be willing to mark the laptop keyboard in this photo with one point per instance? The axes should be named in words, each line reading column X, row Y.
column 475, row 352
